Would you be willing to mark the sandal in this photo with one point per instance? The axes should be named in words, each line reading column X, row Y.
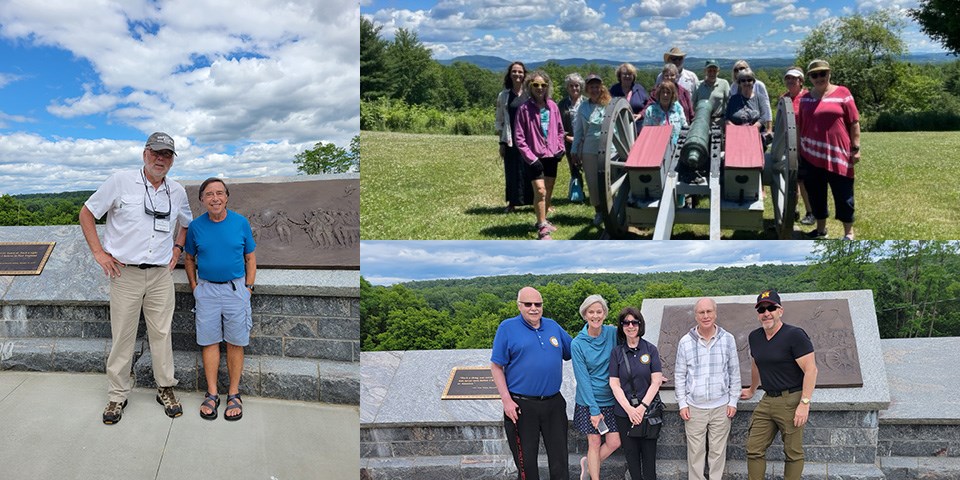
column 212, row 402
column 234, row 402
column 113, row 412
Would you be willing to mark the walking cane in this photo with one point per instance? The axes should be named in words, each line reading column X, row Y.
column 516, row 428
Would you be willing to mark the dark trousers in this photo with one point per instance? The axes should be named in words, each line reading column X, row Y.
column 540, row 417
column 518, row 190
column 641, row 455
column 816, row 180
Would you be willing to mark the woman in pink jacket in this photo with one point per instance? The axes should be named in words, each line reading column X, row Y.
column 539, row 137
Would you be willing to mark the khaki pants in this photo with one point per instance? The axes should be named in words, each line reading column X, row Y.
column 707, row 423
column 152, row 290
column 591, row 163
column 775, row 414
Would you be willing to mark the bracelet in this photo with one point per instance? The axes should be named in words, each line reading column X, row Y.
column 645, row 405
column 178, row 246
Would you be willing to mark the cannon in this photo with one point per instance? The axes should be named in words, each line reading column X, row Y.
column 644, row 176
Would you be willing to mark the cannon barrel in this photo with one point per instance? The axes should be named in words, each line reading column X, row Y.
column 695, row 151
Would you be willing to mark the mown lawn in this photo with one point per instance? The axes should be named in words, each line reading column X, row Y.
column 451, row 187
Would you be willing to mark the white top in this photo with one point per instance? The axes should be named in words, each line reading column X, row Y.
column 687, row 79
column 130, row 236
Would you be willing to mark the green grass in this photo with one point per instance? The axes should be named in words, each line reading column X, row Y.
column 451, row 187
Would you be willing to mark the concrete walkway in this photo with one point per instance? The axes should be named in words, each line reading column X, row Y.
column 50, row 427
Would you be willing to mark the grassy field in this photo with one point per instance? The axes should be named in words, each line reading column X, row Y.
column 451, row 187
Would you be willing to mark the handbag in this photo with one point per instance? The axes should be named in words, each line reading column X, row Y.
column 576, row 190
column 649, row 427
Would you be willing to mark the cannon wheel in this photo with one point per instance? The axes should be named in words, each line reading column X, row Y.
column 616, row 136
column 783, row 165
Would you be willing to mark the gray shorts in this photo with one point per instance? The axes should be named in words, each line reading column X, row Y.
column 223, row 313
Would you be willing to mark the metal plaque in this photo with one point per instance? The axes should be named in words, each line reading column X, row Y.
column 827, row 322
column 24, row 258
column 307, row 224
column 470, row 383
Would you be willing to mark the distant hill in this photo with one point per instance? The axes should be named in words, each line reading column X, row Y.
column 498, row 64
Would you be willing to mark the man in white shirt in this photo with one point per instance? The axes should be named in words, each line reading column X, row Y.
column 145, row 212
column 685, row 77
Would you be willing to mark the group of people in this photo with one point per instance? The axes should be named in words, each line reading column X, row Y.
column 149, row 226
column 618, row 377
column 536, row 133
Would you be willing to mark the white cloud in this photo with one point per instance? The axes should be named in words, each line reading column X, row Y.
column 214, row 74
column 792, row 13
column 83, row 164
column 804, row 29
column 821, row 13
column 577, row 16
column 750, row 7
column 661, row 8
column 711, row 22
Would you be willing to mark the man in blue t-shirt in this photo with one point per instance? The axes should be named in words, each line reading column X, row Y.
column 784, row 366
column 221, row 268
column 527, row 367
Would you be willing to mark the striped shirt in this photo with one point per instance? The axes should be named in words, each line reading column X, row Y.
column 707, row 373
column 824, row 127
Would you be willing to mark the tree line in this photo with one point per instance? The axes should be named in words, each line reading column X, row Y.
column 914, row 283
column 403, row 89
column 42, row 208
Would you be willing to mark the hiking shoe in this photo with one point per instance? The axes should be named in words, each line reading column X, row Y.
column 113, row 412
column 171, row 406
column 808, row 219
column 597, row 220
column 544, row 234
column 816, row 234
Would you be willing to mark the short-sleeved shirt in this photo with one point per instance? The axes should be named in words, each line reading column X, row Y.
column 644, row 361
column 717, row 94
column 130, row 235
column 824, row 130
column 776, row 358
column 220, row 246
column 532, row 358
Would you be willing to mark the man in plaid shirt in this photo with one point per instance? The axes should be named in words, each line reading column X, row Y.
column 707, row 376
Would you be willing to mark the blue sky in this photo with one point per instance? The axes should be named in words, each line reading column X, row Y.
column 389, row 262
column 536, row 30
column 241, row 86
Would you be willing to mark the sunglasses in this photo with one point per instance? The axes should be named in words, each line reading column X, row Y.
column 531, row 304
column 627, row 323
column 768, row 308
column 747, row 80
column 821, row 73
column 538, row 85
column 674, row 59
column 163, row 153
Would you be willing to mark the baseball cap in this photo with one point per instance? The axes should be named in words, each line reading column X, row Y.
column 160, row 141
column 768, row 296
column 592, row 77
column 711, row 63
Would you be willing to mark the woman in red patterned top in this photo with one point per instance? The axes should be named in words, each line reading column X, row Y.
column 829, row 147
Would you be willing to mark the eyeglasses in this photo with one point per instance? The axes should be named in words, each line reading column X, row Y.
column 538, row 85
column 627, row 323
column 163, row 153
column 531, row 304
column 747, row 80
column 821, row 73
column 674, row 59
column 739, row 68
column 768, row 308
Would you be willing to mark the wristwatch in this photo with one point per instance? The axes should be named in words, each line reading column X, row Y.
column 855, row 148
column 805, row 401
column 250, row 286
column 175, row 245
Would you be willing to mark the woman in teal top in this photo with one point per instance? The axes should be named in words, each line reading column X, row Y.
column 590, row 352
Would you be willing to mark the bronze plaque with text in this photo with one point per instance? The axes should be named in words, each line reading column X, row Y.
column 470, row 383
column 827, row 322
column 24, row 258
column 309, row 224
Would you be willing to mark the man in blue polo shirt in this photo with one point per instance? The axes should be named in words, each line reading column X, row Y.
column 527, row 367
column 221, row 268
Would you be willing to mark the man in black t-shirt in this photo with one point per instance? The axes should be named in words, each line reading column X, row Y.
column 784, row 366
